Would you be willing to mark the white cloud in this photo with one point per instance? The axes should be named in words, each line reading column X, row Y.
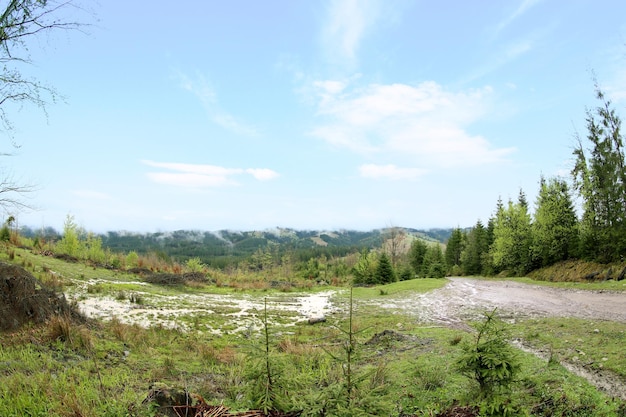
column 190, row 180
column 347, row 23
column 390, row 171
column 423, row 122
column 521, row 9
column 262, row 174
column 207, row 96
column 201, row 176
column 330, row 86
column 210, row 170
column 91, row 194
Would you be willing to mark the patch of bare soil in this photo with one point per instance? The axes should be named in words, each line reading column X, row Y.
column 24, row 299
column 466, row 299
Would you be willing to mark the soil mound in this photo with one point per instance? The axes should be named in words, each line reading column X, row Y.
column 24, row 299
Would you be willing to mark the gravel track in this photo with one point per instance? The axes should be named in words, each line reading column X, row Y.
column 465, row 299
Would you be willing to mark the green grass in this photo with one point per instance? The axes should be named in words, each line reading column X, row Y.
column 400, row 367
column 397, row 288
column 609, row 285
column 44, row 376
column 592, row 344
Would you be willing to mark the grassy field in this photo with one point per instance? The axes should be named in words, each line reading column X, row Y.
column 609, row 285
column 356, row 364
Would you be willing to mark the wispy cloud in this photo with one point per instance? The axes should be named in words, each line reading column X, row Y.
column 346, row 24
column 390, row 172
column 613, row 82
column 502, row 57
column 423, row 122
column 91, row 194
column 203, row 90
column 202, row 176
column 262, row 174
column 524, row 6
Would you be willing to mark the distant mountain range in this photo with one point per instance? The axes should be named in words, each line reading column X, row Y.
column 214, row 247
column 183, row 244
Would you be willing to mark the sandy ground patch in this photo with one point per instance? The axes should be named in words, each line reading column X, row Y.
column 238, row 312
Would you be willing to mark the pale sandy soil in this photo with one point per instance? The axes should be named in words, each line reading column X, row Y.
column 238, row 312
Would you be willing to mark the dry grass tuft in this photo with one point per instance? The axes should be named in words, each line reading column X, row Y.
column 290, row 347
column 61, row 328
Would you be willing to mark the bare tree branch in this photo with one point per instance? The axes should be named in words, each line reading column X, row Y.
column 20, row 21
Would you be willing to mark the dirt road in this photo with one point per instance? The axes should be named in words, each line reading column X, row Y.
column 464, row 299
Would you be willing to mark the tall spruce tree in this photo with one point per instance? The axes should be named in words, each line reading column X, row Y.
column 488, row 267
column 476, row 247
column 434, row 262
column 600, row 179
column 512, row 232
column 416, row 256
column 555, row 226
column 454, row 247
column 384, row 270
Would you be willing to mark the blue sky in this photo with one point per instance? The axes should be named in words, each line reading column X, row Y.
column 250, row 115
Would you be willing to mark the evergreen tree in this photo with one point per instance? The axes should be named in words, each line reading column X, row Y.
column 434, row 263
column 454, row 247
column 511, row 247
column 555, row 226
column 488, row 267
column 476, row 247
column 600, row 179
column 384, row 270
column 365, row 268
column 416, row 255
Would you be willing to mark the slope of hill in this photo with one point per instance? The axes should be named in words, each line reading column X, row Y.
column 219, row 248
column 216, row 246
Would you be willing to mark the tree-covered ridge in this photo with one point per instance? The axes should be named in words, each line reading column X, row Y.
column 224, row 248
column 215, row 248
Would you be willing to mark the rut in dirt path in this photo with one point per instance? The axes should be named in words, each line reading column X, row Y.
column 466, row 299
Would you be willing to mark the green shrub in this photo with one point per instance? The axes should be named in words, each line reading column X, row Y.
column 5, row 233
column 132, row 259
column 195, row 265
column 437, row 270
column 406, row 274
column 489, row 360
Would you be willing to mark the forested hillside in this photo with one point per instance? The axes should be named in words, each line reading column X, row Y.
column 225, row 247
